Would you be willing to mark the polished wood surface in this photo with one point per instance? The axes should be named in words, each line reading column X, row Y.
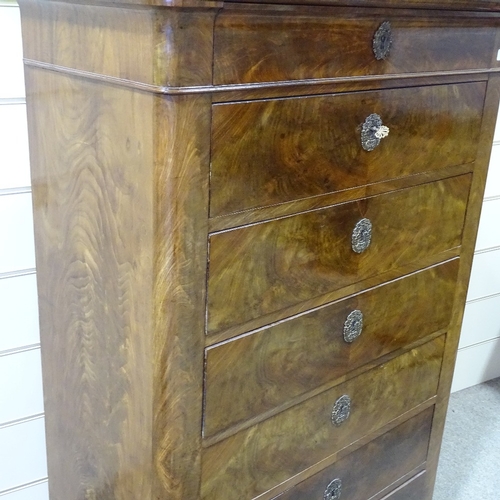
column 94, row 253
column 470, row 231
column 267, row 454
column 370, row 469
column 181, row 197
column 258, row 372
column 300, row 257
column 146, row 114
column 269, row 152
column 261, row 45
column 121, row 210
column 247, row 217
column 480, row 5
column 160, row 47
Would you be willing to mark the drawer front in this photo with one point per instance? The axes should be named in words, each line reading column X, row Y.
column 259, row 372
column 266, row 267
column 256, row 459
column 255, row 46
column 274, row 151
column 373, row 467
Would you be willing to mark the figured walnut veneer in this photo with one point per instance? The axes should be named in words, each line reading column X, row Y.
column 274, row 151
column 197, row 173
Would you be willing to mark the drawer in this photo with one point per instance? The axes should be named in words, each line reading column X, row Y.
column 258, row 46
column 259, row 372
column 373, row 467
column 274, row 151
column 272, row 265
column 256, row 459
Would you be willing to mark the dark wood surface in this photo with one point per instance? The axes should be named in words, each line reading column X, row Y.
column 370, row 469
column 120, row 99
column 121, row 214
column 267, row 454
column 487, row 5
column 181, row 205
column 94, row 252
column 297, row 258
column 470, row 231
column 257, row 373
column 263, row 45
column 270, row 152
column 161, row 47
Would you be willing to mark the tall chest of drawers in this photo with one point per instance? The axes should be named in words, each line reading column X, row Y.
column 254, row 228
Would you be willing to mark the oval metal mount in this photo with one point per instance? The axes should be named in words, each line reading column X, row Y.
column 333, row 490
column 382, row 41
column 353, row 326
column 361, row 235
column 341, row 410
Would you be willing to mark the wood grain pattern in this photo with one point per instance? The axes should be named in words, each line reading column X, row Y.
column 256, row 373
column 486, row 5
column 94, row 252
column 162, row 47
column 103, row 40
column 257, row 45
column 331, row 296
column 456, row 5
column 267, row 454
column 297, row 258
column 270, row 152
column 230, row 221
column 120, row 131
column 370, row 469
column 470, row 234
column 182, row 168
column 121, row 210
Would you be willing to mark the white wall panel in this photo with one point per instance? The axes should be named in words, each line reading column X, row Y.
column 38, row 492
column 22, row 459
column 18, row 312
column 488, row 235
column 11, row 53
column 17, row 249
column 481, row 321
column 493, row 179
column 485, row 276
column 476, row 364
column 14, row 153
column 21, row 393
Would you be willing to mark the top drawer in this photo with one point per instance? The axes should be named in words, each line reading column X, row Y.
column 253, row 47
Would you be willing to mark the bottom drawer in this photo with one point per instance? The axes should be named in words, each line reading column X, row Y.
column 373, row 467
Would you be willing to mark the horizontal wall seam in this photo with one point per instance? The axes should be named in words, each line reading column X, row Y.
column 473, row 346
column 492, row 198
column 487, row 250
column 12, row 100
column 484, row 297
column 18, row 350
column 14, row 191
column 17, row 274
column 23, row 420
column 24, row 486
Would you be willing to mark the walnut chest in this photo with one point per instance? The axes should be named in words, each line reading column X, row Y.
column 254, row 229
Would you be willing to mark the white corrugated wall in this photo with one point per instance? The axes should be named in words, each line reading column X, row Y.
column 23, row 469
